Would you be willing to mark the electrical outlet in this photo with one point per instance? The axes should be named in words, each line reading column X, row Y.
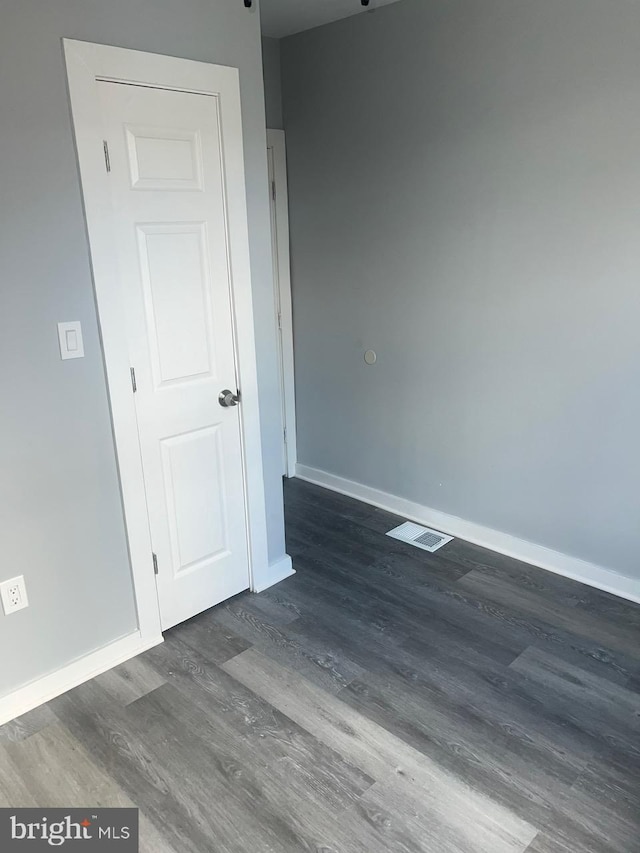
column 14, row 595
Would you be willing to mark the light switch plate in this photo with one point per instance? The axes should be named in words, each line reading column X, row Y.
column 70, row 339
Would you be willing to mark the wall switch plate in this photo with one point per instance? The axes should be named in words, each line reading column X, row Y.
column 14, row 595
column 70, row 339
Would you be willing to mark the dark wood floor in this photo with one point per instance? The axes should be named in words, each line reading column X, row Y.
column 382, row 699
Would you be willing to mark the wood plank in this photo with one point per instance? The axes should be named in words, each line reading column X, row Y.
column 377, row 751
column 238, row 713
column 317, row 661
column 118, row 750
column 597, row 706
column 14, row 792
column 522, row 774
column 393, row 615
column 129, row 681
column 244, row 798
column 599, row 816
column 605, row 632
column 213, row 640
column 38, row 762
column 27, row 725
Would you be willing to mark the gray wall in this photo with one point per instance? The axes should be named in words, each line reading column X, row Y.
column 272, row 83
column 61, row 521
column 464, row 182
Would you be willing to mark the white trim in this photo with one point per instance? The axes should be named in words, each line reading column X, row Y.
column 282, row 291
column 49, row 686
column 520, row 549
column 86, row 64
column 278, row 571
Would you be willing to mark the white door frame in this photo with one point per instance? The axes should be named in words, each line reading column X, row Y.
column 282, row 289
column 88, row 63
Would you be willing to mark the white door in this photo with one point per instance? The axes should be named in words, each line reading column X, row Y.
column 167, row 179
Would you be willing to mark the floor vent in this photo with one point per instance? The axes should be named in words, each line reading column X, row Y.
column 421, row 537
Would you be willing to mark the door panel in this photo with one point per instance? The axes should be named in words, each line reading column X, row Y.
column 178, row 319
column 168, row 190
column 164, row 158
column 194, row 475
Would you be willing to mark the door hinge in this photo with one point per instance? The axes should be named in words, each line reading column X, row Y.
column 280, row 320
column 273, row 188
column 155, row 564
column 107, row 159
column 133, row 380
column 284, row 432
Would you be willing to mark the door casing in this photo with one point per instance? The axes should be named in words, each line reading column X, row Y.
column 282, row 291
column 88, row 63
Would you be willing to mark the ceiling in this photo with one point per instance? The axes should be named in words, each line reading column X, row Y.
column 285, row 17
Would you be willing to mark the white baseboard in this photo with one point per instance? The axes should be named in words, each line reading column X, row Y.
column 520, row 549
column 278, row 571
column 44, row 689
column 49, row 686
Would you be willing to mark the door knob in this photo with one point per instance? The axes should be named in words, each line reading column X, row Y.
column 227, row 398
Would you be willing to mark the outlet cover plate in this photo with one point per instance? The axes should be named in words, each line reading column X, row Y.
column 14, row 595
